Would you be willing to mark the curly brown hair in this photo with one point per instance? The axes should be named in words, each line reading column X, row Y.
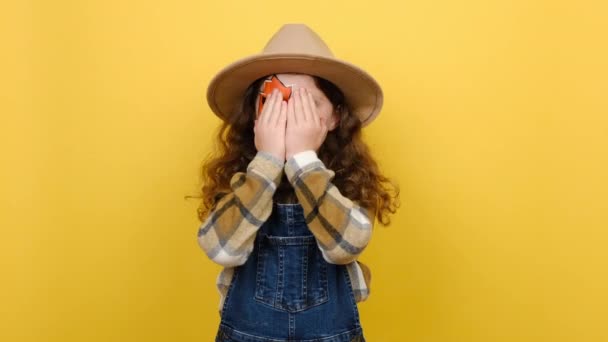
column 343, row 151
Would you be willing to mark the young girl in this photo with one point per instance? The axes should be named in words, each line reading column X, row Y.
column 291, row 196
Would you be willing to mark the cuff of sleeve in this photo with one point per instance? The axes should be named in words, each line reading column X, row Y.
column 300, row 162
column 268, row 165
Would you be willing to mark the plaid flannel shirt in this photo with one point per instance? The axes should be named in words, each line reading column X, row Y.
column 341, row 227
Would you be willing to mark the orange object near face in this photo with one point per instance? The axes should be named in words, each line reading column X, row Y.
column 268, row 86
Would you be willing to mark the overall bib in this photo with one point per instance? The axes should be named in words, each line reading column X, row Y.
column 286, row 291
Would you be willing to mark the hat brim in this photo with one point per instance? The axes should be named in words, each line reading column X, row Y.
column 361, row 91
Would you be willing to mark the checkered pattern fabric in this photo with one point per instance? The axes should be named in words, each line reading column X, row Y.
column 341, row 227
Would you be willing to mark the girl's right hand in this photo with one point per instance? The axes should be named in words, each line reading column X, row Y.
column 269, row 128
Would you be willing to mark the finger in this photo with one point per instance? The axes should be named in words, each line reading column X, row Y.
column 261, row 114
column 298, row 109
column 291, row 112
column 268, row 107
column 313, row 109
column 323, row 127
column 276, row 110
column 305, row 105
column 281, row 115
column 276, row 106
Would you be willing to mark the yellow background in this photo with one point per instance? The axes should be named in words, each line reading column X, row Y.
column 494, row 126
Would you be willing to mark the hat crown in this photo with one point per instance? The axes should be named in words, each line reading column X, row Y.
column 297, row 39
column 295, row 48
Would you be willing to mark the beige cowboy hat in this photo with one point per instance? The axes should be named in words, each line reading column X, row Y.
column 296, row 48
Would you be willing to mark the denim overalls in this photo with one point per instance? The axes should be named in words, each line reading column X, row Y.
column 286, row 291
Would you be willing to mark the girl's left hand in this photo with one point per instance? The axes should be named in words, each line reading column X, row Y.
column 306, row 130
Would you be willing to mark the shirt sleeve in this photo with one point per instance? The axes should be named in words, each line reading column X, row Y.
column 228, row 232
column 341, row 227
